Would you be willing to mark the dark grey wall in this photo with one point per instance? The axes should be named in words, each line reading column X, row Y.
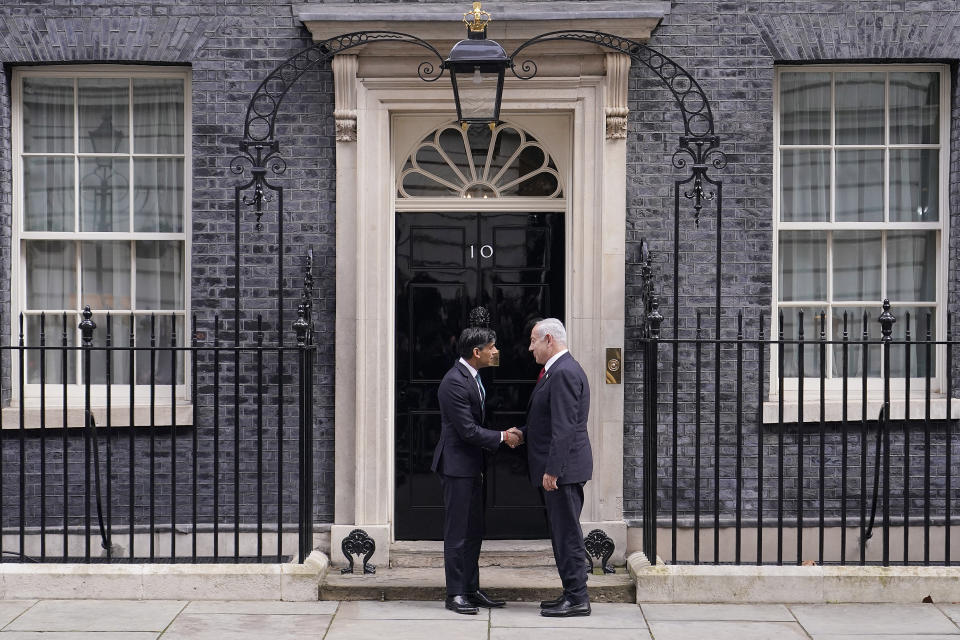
column 229, row 47
column 731, row 48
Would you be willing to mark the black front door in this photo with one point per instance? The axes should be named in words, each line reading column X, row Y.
column 447, row 264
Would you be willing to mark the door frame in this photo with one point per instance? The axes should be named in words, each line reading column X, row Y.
column 595, row 184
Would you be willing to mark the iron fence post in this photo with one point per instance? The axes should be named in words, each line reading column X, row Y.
column 886, row 329
column 650, row 370
column 86, row 327
column 301, row 327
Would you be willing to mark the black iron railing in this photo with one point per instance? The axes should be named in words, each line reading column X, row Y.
column 797, row 448
column 129, row 448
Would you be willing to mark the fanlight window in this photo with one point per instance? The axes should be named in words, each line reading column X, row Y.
column 478, row 162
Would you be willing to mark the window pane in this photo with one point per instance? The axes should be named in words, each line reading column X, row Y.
column 158, row 115
column 48, row 115
column 804, row 108
column 159, row 275
column 119, row 331
column 856, row 265
column 917, row 354
column 106, row 274
column 158, row 194
column 803, row 265
column 104, row 121
column 855, row 326
column 914, row 185
column 860, row 186
column 55, row 359
column 915, row 108
column 811, row 351
column 104, row 195
column 161, row 331
column 805, row 185
column 48, row 194
column 51, row 276
column 911, row 265
column 859, row 108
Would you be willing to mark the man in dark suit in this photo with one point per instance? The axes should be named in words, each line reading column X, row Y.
column 458, row 460
column 560, row 459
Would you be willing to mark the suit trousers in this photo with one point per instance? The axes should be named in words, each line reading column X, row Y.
column 563, row 513
column 462, row 532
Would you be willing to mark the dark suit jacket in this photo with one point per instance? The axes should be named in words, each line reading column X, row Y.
column 462, row 437
column 556, row 429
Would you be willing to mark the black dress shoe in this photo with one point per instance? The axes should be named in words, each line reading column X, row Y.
column 549, row 604
column 460, row 604
column 567, row 609
column 480, row 599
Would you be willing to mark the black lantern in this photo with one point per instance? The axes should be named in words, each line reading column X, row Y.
column 476, row 68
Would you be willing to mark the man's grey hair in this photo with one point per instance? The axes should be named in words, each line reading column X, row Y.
column 553, row 327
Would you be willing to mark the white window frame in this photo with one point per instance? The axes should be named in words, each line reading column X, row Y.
column 120, row 393
column 811, row 383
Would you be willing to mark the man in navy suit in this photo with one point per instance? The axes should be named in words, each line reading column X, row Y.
column 458, row 460
column 560, row 459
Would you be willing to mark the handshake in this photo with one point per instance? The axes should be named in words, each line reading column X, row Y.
column 513, row 437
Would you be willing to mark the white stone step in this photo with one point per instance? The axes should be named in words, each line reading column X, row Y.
column 493, row 553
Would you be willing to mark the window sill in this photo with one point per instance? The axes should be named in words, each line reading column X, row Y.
column 119, row 416
column 833, row 409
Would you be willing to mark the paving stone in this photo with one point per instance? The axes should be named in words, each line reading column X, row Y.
column 751, row 612
column 79, row 635
column 399, row 610
column 259, row 607
column 872, row 636
column 603, row 616
column 98, row 615
column 10, row 609
column 554, row 633
column 463, row 628
column 952, row 611
column 873, row 619
column 726, row 630
column 214, row 626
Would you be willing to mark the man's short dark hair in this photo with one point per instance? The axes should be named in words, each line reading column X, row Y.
column 474, row 338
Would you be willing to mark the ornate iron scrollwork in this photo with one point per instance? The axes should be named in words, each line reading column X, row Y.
column 600, row 546
column 358, row 543
column 699, row 142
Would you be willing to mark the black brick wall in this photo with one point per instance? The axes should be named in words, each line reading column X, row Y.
column 730, row 47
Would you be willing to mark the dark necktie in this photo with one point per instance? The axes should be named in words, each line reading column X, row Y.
column 483, row 399
column 542, row 372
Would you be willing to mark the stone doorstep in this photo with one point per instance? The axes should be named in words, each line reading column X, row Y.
column 791, row 584
column 290, row 581
column 508, row 583
column 494, row 553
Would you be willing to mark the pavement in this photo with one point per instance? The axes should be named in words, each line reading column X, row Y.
column 409, row 620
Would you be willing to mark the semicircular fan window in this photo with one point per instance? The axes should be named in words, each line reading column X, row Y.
column 479, row 163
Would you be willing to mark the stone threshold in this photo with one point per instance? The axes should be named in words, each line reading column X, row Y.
column 513, row 584
column 287, row 581
column 791, row 584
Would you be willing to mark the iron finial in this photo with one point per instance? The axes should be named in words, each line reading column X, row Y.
column 301, row 325
column 886, row 322
column 87, row 325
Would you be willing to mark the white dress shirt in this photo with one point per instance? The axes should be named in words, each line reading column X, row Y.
column 550, row 362
column 476, row 375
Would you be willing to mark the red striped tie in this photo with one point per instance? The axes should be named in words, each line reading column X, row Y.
column 540, row 377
